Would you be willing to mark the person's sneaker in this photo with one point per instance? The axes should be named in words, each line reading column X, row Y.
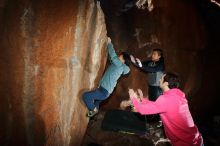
column 92, row 113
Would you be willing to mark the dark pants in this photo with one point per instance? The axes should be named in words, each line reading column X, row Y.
column 93, row 99
column 153, row 93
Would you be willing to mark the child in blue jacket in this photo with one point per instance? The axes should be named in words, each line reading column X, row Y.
column 119, row 66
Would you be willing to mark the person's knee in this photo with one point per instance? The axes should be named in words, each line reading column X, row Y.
column 85, row 96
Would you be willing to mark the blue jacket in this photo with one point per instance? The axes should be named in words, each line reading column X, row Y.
column 114, row 71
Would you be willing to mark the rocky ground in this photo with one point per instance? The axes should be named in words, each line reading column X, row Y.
column 96, row 136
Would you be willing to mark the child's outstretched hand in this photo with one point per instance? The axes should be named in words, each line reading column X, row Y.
column 132, row 59
column 139, row 62
column 109, row 40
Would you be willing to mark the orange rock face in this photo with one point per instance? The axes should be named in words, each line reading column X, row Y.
column 51, row 51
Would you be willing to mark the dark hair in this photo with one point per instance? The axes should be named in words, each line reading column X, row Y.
column 172, row 79
column 126, row 57
column 159, row 51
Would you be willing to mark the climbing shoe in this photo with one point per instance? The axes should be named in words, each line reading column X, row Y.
column 92, row 113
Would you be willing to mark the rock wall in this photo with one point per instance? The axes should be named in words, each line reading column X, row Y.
column 51, row 51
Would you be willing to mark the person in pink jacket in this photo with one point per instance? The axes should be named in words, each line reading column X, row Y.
column 173, row 108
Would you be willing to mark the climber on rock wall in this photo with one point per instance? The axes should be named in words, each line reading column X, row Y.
column 119, row 66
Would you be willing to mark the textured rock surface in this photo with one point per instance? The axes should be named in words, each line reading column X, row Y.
column 51, row 51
